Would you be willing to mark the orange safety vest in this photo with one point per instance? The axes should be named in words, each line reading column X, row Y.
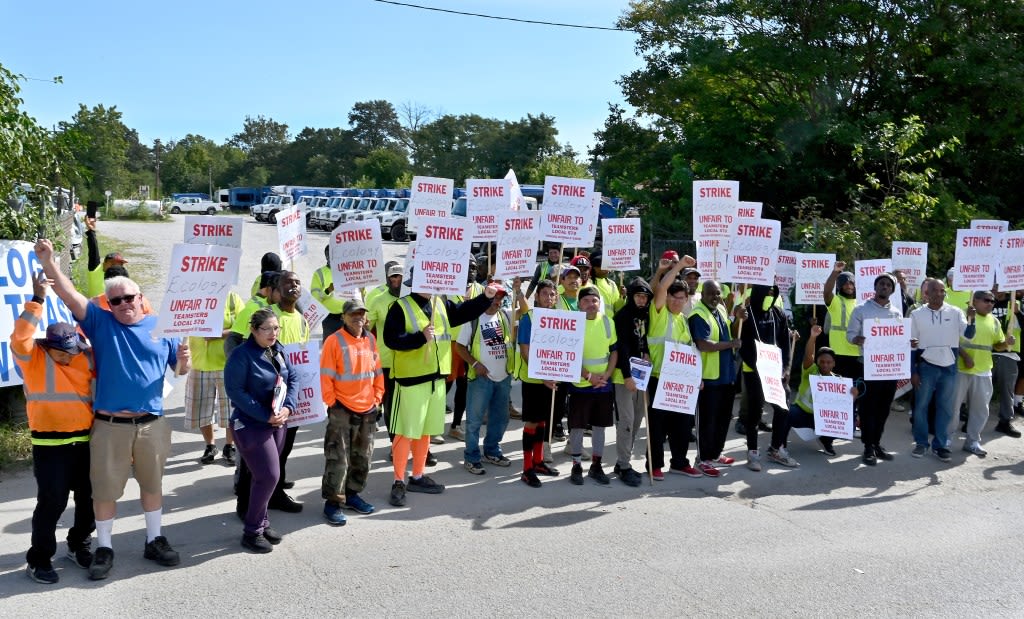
column 59, row 397
column 350, row 371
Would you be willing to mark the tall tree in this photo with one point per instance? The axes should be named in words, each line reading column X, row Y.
column 261, row 139
column 102, row 150
column 375, row 125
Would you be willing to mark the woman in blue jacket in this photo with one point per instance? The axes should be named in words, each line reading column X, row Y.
column 255, row 375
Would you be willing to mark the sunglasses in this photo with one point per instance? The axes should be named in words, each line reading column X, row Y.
column 128, row 298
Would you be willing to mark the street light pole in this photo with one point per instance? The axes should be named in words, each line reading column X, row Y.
column 157, row 192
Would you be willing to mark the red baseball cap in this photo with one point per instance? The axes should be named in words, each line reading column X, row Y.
column 580, row 262
column 670, row 254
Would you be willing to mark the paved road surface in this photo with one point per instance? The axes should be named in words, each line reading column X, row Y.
column 906, row 538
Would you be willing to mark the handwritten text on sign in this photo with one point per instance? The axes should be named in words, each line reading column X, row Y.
column 291, row 233
column 556, row 345
column 430, row 197
column 753, row 251
column 679, row 382
column 224, row 231
column 887, row 349
column 486, row 200
column 442, row 253
column 865, row 274
column 357, row 255
column 833, row 406
column 621, row 244
column 811, row 272
column 518, row 234
column 197, row 286
column 568, row 210
column 715, row 205
column 305, row 362
column 785, row 272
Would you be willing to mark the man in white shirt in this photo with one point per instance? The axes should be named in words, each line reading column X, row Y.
column 935, row 331
column 486, row 345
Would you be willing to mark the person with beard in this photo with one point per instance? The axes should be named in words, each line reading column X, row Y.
column 668, row 324
column 546, row 269
column 878, row 394
column 768, row 326
column 631, row 325
column 537, row 394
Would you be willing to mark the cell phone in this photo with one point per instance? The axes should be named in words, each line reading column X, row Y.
column 90, row 209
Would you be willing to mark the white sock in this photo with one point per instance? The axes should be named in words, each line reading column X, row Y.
column 153, row 524
column 104, row 530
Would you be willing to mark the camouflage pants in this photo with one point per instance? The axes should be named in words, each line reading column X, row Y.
column 348, row 447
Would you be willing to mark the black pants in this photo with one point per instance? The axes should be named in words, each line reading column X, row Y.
column 714, row 412
column 850, row 367
column 461, row 384
column 780, row 416
column 59, row 470
column 874, row 409
column 675, row 426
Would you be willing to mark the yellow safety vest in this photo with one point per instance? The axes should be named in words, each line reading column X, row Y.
column 839, row 317
column 710, row 366
column 597, row 338
column 674, row 329
column 412, row 363
column 988, row 332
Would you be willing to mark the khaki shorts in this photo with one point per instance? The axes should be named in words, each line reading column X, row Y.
column 118, row 448
column 206, row 400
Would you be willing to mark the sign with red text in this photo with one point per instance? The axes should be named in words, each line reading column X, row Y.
column 518, row 234
column 886, row 349
column 197, row 288
column 567, row 215
column 313, row 311
column 865, row 273
column 620, row 244
column 785, row 272
column 442, row 253
column 430, row 197
column 833, row 406
column 769, row 370
column 715, row 204
column 679, row 380
column 811, row 272
column 976, row 260
column 750, row 210
column 517, row 201
column 291, row 233
column 305, row 362
column 911, row 259
column 1011, row 263
column 993, row 225
column 486, row 200
column 357, row 255
column 206, row 230
column 592, row 220
column 556, row 345
column 753, row 251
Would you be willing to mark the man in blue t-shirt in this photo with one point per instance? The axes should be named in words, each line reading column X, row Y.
column 130, row 435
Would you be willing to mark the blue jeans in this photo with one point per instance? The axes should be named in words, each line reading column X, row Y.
column 486, row 397
column 939, row 383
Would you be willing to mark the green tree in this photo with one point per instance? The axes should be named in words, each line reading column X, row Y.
column 318, row 157
column 384, row 166
column 554, row 165
column 262, row 140
column 375, row 125
column 101, row 150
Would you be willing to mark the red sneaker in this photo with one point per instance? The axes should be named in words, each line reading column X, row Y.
column 657, row 475
column 725, row 461
column 706, row 468
column 687, row 470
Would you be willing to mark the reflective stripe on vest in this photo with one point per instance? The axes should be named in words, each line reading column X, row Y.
column 348, row 364
column 410, row 363
column 608, row 339
column 837, row 333
column 710, row 366
column 591, row 345
column 967, row 344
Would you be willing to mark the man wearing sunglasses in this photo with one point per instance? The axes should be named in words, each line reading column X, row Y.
column 130, row 435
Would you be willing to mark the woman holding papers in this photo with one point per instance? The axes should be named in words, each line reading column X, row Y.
column 262, row 388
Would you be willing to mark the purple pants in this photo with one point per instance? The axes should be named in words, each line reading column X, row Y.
column 261, row 450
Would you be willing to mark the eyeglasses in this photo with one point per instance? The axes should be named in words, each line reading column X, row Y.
column 269, row 329
column 127, row 298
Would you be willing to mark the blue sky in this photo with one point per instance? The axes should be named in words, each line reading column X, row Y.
column 174, row 68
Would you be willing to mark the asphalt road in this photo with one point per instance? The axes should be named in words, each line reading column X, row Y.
column 912, row 537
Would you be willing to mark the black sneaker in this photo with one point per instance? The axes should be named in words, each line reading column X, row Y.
column 1007, row 428
column 431, row 459
column 44, row 574
column 558, row 435
column 869, row 457
column 576, row 475
column 257, row 543
column 160, row 551
column 288, row 484
column 763, row 427
column 397, row 494
column 283, row 502
column 630, row 477
column 272, row 535
column 80, row 554
column 943, row 454
column 882, row 454
column 598, row 475
column 228, row 455
column 102, row 561
column 542, row 468
column 826, row 445
column 209, row 455
column 425, row 485
column 530, row 479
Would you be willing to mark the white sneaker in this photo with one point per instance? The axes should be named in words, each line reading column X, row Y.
column 781, row 456
column 753, row 460
column 437, row 440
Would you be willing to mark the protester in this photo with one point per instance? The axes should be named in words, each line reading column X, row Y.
column 457, row 379
column 815, row 363
column 118, row 271
column 378, row 302
column 130, row 435
column 840, row 295
column 58, row 375
column 352, row 385
column 546, row 269
column 95, row 277
column 715, row 339
column 418, row 329
column 263, row 387
column 323, row 291
column 582, row 263
column 611, row 295
column 569, row 287
column 631, row 326
column 878, row 394
column 1004, row 369
column 974, row 378
column 935, row 332
column 268, row 262
column 538, row 396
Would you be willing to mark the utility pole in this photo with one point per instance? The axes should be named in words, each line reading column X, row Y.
column 210, row 170
column 156, row 194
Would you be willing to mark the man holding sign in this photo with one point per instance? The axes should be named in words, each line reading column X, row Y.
column 418, row 329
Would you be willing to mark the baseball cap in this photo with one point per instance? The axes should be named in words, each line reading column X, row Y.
column 566, row 269
column 587, row 291
column 670, row 254
column 62, row 336
column 395, row 269
column 353, row 305
column 580, row 262
column 115, row 256
column 690, row 271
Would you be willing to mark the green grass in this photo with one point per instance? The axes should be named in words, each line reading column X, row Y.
column 15, row 446
column 144, row 277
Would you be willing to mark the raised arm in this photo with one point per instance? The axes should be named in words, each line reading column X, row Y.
column 76, row 301
column 830, row 283
column 661, row 286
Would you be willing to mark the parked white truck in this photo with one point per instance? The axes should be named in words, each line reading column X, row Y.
column 195, row 205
